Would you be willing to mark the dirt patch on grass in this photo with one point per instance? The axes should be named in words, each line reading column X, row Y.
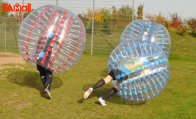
column 9, row 58
column 23, row 105
column 9, row 67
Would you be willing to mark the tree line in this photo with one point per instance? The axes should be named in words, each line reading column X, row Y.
column 108, row 19
column 119, row 18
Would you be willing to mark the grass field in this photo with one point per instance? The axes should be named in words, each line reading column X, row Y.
column 20, row 90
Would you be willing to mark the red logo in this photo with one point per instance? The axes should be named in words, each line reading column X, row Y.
column 16, row 8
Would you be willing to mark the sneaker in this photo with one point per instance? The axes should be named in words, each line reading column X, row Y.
column 87, row 93
column 102, row 102
column 47, row 93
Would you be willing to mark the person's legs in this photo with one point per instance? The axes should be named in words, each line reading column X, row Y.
column 42, row 74
column 48, row 83
column 100, row 83
column 48, row 79
column 110, row 92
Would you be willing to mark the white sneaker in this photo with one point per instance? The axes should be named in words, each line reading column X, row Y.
column 88, row 92
column 102, row 102
column 47, row 93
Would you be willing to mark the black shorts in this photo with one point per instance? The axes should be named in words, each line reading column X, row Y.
column 113, row 72
column 43, row 70
column 112, row 75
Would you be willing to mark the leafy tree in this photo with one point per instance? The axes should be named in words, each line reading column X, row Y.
column 162, row 20
column 191, row 23
column 140, row 12
column 114, row 17
column 97, row 15
column 105, row 14
column 83, row 18
column 159, row 19
column 186, row 30
column 125, row 14
column 105, row 19
column 151, row 17
column 176, row 21
column 114, row 14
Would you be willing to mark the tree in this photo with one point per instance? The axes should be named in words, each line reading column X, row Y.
column 114, row 17
column 162, row 20
column 114, row 14
column 191, row 23
column 105, row 14
column 97, row 15
column 176, row 21
column 2, row 13
column 151, row 17
column 159, row 19
column 186, row 30
column 105, row 17
column 84, row 19
column 125, row 14
column 140, row 12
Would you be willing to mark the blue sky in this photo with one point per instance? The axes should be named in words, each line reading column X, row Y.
column 184, row 8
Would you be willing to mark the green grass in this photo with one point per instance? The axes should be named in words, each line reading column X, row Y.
column 20, row 94
column 20, row 87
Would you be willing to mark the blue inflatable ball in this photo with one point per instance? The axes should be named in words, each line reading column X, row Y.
column 141, row 69
column 144, row 30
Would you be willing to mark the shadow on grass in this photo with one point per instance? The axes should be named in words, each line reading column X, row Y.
column 32, row 79
column 113, row 99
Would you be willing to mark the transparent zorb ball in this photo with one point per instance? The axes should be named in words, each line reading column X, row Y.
column 52, row 37
column 144, row 30
column 141, row 69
